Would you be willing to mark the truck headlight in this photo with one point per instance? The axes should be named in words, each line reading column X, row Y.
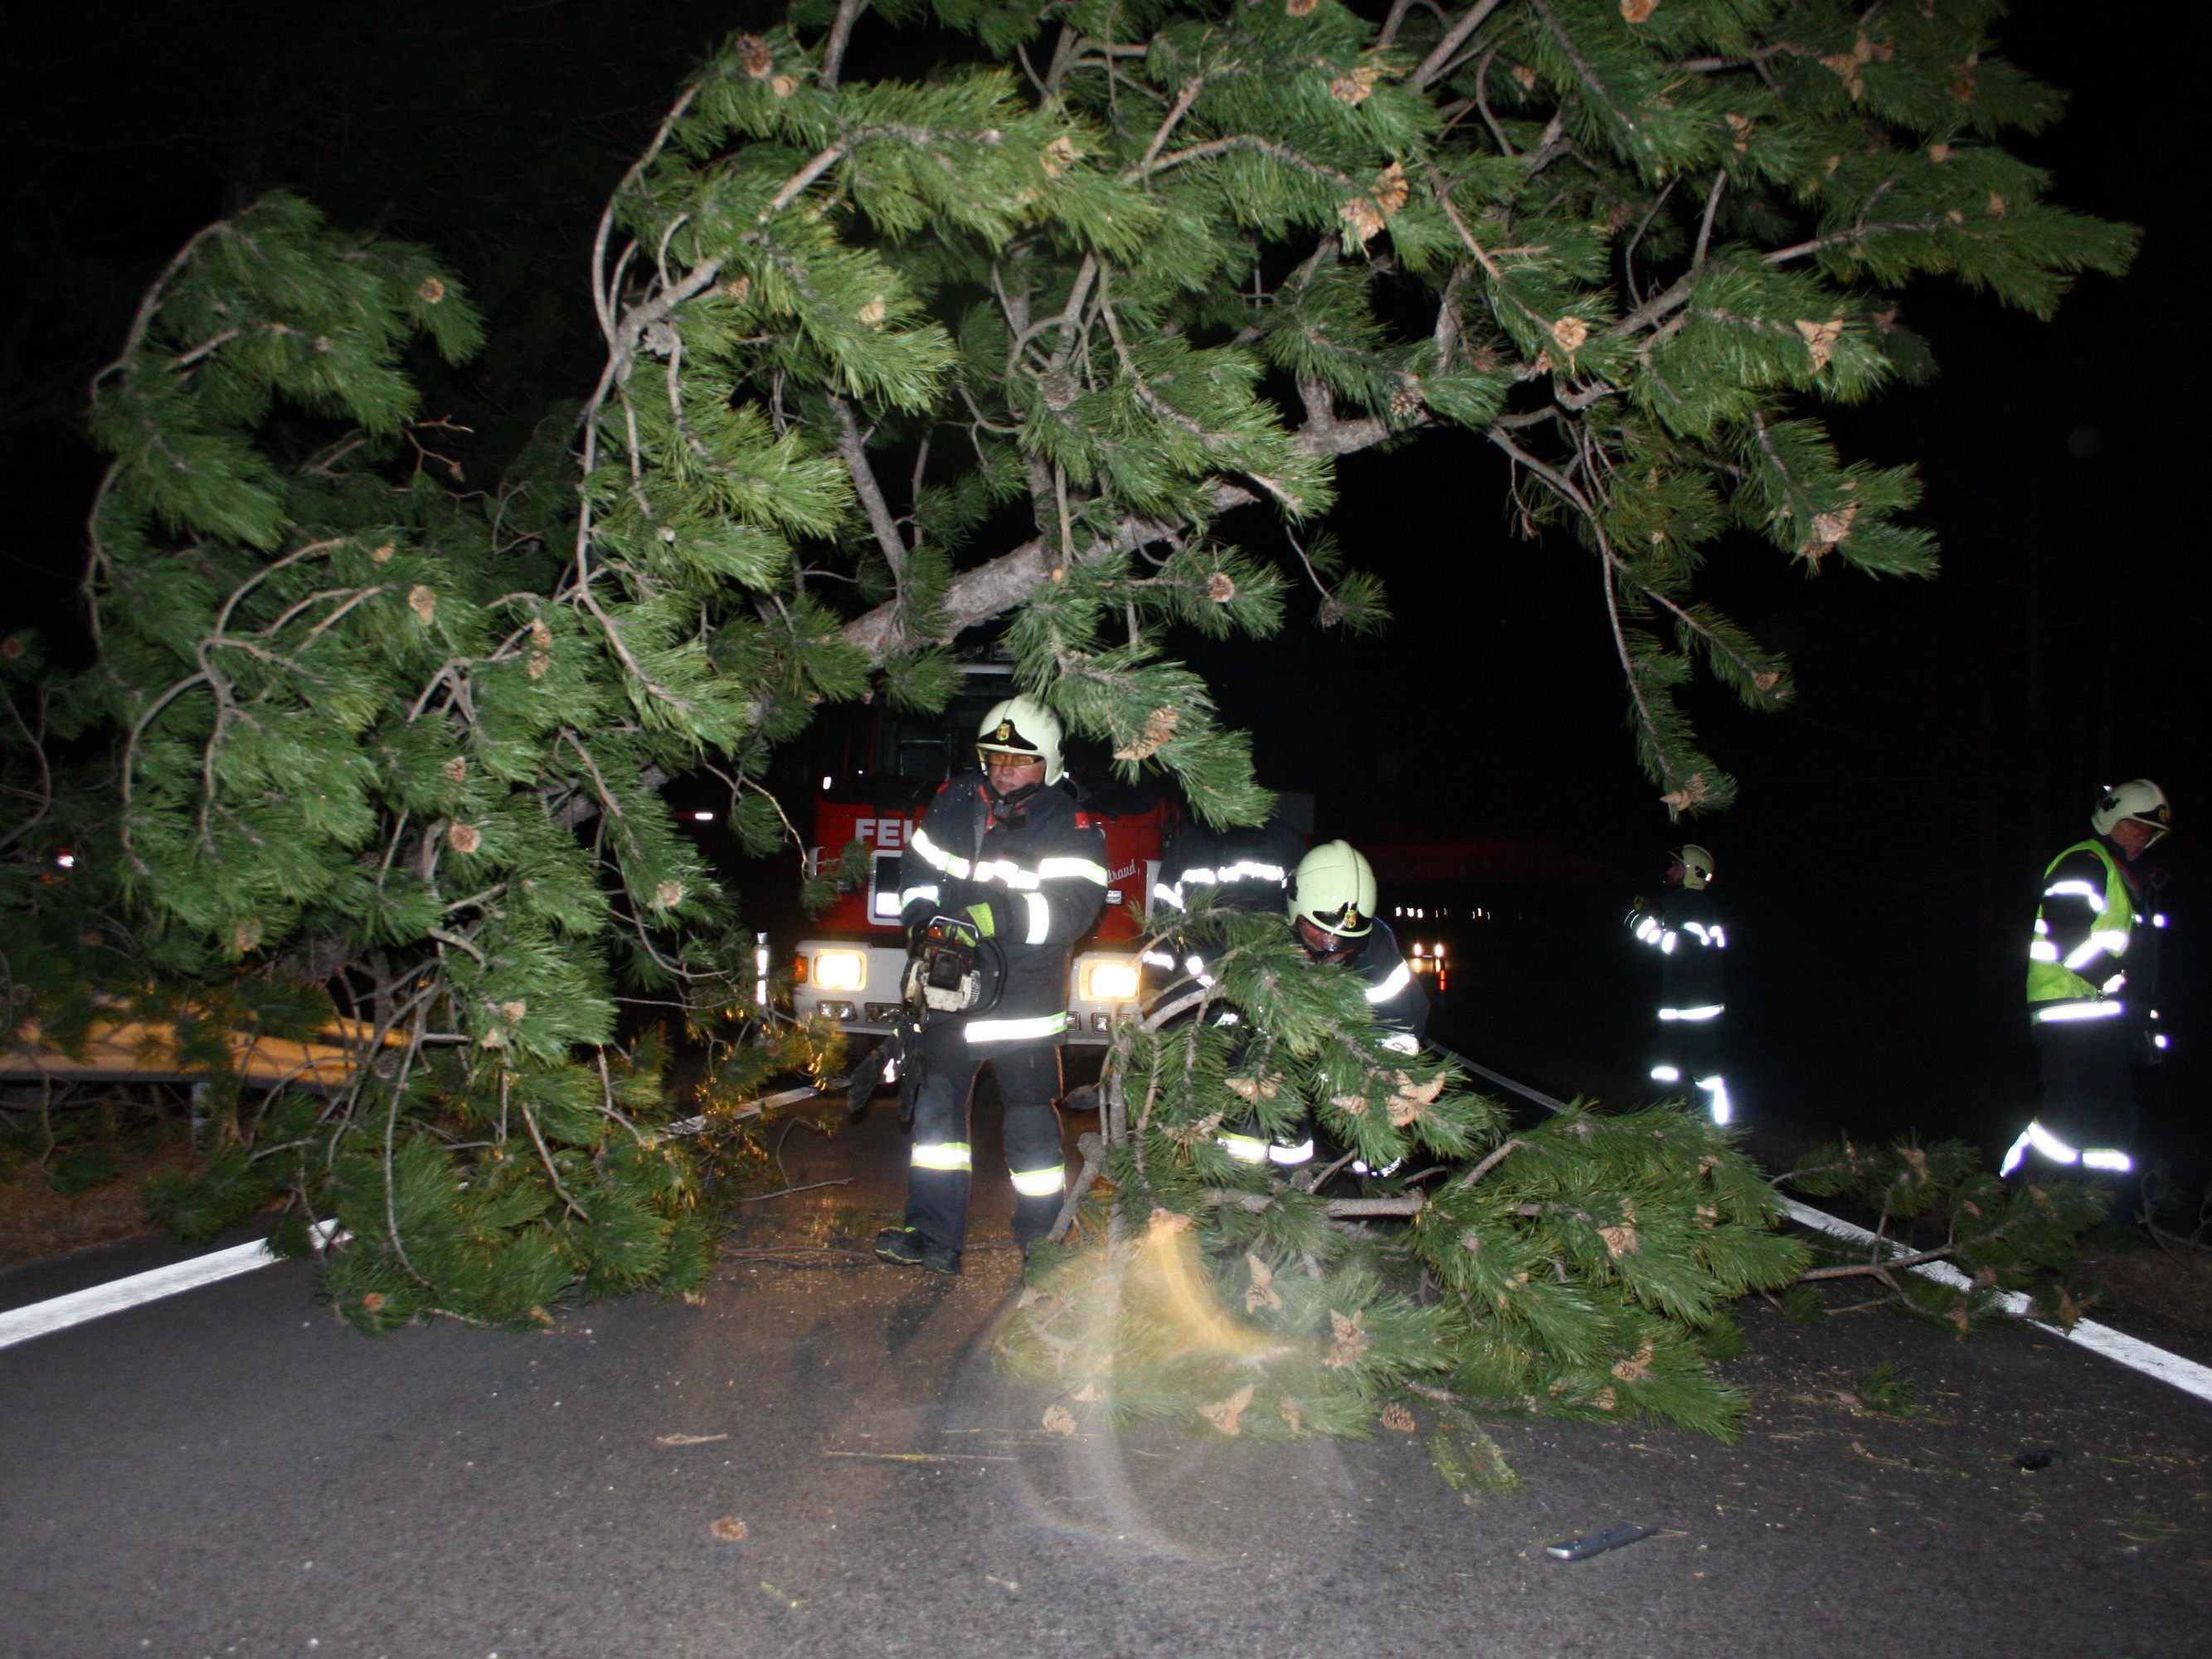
column 841, row 970
column 1109, row 981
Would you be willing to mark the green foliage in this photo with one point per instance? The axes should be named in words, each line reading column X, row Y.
column 1064, row 340
column 1570, row 1268
column 1886, row 1389
column 1937, row 1204
column 80, row 1170
column 369, row 746
column 1587, row 1267
column 1469, row 1461
column 1803, row 1305
column 226, row 1190
column 1627, row 260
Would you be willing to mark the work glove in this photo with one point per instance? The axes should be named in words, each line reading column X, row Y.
column 989, row 915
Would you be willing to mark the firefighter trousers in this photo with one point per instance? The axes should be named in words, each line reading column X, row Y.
column 1684, row 1050
column 2089, row 1089
column 1687, row 1062
column 943, row 1160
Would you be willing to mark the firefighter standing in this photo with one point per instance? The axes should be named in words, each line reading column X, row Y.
column 1249, row 869
column 2092, row 985
column 1007, row 867
column 1332, row 895
column 1685, row 928
column 1245, row 869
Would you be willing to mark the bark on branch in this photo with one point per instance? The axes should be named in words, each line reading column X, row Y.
column 1002, row 584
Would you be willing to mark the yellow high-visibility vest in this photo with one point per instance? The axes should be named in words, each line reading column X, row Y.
column 2084, row 979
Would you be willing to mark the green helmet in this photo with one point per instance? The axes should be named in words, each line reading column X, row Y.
column 1697, row 866
column 1333, row 888
column 1024, row 726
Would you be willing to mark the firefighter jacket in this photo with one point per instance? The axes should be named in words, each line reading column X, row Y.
column 2093, row 956
column 1241, row 869
column 1401, row 1008
column 1685, row 928
column 1392, row 990
column 1030, row 875
column 1248, row 869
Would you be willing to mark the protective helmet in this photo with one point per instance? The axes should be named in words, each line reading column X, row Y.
column 1333, row 888
column 1023, row 726
column 2138, row 798
column 1697, row 866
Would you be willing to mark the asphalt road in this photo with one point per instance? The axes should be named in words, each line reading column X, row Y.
column 233, row 1473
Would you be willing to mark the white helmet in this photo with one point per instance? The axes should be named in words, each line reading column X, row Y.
column 1024, row 726
column 1697, row 866
column 2138, row 798
column 1333, row 888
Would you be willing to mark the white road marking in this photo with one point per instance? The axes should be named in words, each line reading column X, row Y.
column 2170, row 1369
column 60, row 1312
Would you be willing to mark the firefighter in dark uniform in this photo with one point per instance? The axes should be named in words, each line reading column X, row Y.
column 1332, row 899
column 2093, row 987
column 1010, row 873
column 1685, row 928
column 1242, row 869
column 1250, row 869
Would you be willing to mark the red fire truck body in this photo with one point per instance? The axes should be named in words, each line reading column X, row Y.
column 876, row 776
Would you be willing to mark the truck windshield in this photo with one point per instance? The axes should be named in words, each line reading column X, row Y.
column 876, row 755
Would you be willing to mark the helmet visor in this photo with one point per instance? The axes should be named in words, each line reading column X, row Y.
column 1346, row 921
column 987, row 753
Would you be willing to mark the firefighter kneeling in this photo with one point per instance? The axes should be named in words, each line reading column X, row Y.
column 1001, row 878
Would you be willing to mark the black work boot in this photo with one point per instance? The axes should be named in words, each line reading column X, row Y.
column 903, row 1246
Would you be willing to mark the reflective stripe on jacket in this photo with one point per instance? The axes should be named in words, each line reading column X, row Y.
column 1037, row 870
column 1685, row 928
column 2085, row 921
column 1246, row 869
column 1392, row 990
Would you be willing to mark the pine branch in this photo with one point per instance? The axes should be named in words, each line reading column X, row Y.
column 840, row 31
column 1583, row 70
column 852, row 447
column 1438, row 60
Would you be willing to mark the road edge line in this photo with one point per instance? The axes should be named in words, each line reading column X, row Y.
column 2116, row 1345
column 94, row 1301
column 2119, row 1346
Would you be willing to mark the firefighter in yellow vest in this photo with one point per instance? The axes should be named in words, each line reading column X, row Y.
column 2092, row 988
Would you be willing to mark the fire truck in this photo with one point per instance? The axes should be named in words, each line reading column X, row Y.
column 875, row 772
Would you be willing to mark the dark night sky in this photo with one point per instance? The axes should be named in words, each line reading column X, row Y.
column 1947, row 736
